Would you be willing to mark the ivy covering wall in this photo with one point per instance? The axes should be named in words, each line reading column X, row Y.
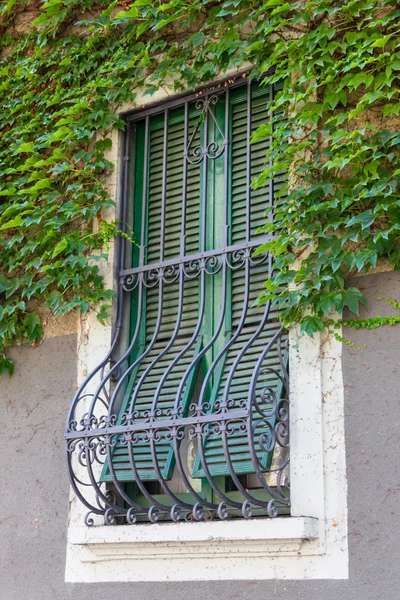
column 67, row 65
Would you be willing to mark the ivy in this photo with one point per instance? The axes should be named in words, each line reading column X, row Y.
column 371, row 322
column 64, row 75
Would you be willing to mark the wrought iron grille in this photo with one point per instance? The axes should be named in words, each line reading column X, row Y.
column 187, row 416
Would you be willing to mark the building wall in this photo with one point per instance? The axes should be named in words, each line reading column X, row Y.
column 35, row 492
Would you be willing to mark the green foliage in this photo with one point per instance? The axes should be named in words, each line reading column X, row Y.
column 61, row 83
column 371, row 322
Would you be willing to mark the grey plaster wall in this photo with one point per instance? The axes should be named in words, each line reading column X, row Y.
column 34, row 494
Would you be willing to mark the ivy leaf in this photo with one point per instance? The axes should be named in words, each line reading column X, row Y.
column 42, row 184
column 26, row 147
column 198, row 39
column 58, row 154
column 365, row 256
column 142, row 28
column 105, row 144
column 54, row 300
column 381, row 42
column 326, row 304
column 365, row 219
column 284, row 8
column 104, row 313
column 311, row 325
column 60, row 247
column 61, row 134
column 351, row 298
column 6, row 366
column 51, row 3
column 10, row 286
column 126, row 15
column 17, row 222
column 31, row 322
column 8, row 191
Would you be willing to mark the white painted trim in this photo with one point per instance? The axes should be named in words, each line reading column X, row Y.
column 310, row 544
column 256, row 529
column 146, row 552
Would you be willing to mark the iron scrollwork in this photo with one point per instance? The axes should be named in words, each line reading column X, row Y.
column 195, row 153
column 102, row 435
column 261, row 417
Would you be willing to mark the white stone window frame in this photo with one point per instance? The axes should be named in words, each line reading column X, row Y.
column 311, row 543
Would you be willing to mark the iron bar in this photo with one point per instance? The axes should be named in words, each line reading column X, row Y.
column 231, row 249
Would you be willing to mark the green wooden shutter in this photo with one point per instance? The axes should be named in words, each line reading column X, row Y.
column 141, row 451
column 238, row 443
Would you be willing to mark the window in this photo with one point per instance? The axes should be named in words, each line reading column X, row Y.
column 309, row 541
column 191, row 422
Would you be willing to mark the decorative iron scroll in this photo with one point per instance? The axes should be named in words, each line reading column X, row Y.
column 183, row 430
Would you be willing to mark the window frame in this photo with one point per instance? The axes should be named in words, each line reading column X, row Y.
column 219, row 108
column 309, row 537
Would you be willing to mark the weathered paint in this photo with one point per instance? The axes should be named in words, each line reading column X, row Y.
column 35, row 493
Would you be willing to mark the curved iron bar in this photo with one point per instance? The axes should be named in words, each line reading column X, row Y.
column 73, row 480
column 226, row 404
column 185, row 479
column 201, row 309
column 79, row 396
column 160, row 277
column 252, row 391
column 176, row 410
column 267, row 393
column 129, row 440
column 181, row 286
column 170, row 367
column 139, row 483
column 187, row 374
column 201, row 432
column 273, row 434
column 217, row 331
column 239, row 257
column 148, row 349
column 259, row 468
column 107, row 496
column 161, row 479
column 90, row 447
column 250, row 429
column 116, row 366
column 138, row 507
column 166, row 349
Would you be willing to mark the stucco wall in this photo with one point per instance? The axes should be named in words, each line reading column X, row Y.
column 34, row 498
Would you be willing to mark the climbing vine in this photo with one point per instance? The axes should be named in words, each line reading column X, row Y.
column 67, row 65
